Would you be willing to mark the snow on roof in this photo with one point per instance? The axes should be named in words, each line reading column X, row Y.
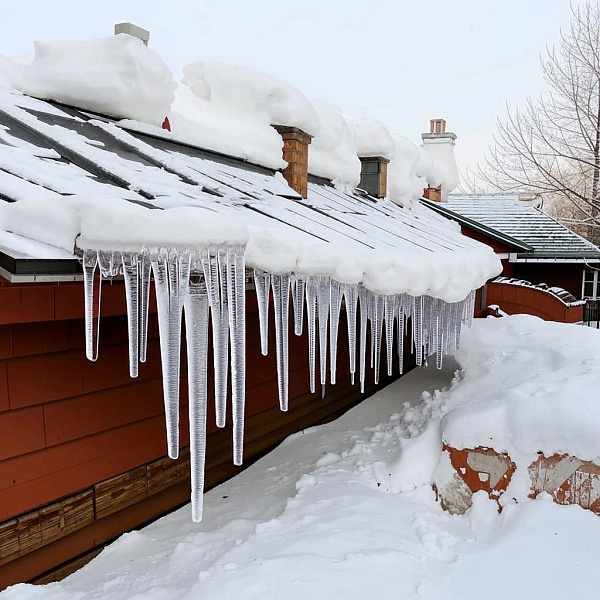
column 231, row 109
column 117, row 76
column 397, row 250
column 442, row 170
column 371, row 138
column 220, row 107
column 332, row 153
column 522, row 221
column 405, row 181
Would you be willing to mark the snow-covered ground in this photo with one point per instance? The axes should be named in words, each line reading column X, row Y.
column 346, row 510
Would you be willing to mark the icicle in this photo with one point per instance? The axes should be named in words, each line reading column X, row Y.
column 311, row 312
column 109, row 263
column 323, row 304
column 439, row 342
column 371, row 318
column 364, row 311
column 170, row 393
column 401, row 329
column 92, row 295
column 196, row 324
column 131, row 277
column 262, row 282
column 222, row 356
column 376, row 326
column 236, row 295
column 351, row 299
column 281, row 300
column 389, row 311
column 144, row 268
column 220, row 332
column 417, row 323
column 298, row 298
column 334, row 322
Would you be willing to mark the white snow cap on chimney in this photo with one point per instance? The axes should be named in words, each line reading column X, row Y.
column 439, row 145
column 134, row 30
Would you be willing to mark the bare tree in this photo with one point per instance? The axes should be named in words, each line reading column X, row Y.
column 552, row 145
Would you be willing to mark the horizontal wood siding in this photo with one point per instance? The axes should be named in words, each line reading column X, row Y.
column 82, row 445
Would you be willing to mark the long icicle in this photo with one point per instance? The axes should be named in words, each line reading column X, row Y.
column 334, row 321
column 222, row 344
column 389, row 311
column 281, row 300
column 210, row 267
column 364, row 311
column 298, row 284
column 145, row 266
column 377, row 325
column 311, row 314
column 171, row 395
column 401, row 332
column 236, row 290
column 262, row 283
column 323, row 304
column 196, row 325
column 131, row 277
column 351, row 300
column 92, row 297
column 417, row 318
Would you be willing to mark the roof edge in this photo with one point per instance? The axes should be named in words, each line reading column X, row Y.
column 476, row 226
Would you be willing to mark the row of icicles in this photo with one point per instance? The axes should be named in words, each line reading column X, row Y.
column 213, row 281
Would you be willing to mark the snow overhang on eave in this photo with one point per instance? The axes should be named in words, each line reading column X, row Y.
column 493, row 234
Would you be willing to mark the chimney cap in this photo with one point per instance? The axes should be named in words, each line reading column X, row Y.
column 437, row 125
column 437, row 132
column 134, row 30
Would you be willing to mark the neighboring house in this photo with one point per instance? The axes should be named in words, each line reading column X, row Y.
column 83, row 455
column 532, row 246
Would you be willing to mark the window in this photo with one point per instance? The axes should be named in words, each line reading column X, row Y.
column 590, row 285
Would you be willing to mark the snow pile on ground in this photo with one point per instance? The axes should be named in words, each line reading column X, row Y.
column 550, row 382
column 117, row 76
column 231, row 109
column 332, row 153
column 319, row 518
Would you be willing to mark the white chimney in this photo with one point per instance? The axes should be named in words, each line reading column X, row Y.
column 439, row 145
column 134, row 30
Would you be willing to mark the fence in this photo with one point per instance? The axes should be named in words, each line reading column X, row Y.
column 591, row 313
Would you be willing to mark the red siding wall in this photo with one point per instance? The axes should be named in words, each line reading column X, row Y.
column 517, row 299
column 67, row 424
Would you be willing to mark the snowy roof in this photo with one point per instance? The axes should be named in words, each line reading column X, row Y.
column 68, row 169
column 518, row 221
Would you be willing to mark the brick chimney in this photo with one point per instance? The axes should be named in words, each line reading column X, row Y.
column 439, row 136
column 134, row 30
column 373, row 175
column 295, row 153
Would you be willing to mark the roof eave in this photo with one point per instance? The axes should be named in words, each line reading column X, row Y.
column 476, row 226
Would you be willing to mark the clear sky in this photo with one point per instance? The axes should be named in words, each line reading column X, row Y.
column 399, row 62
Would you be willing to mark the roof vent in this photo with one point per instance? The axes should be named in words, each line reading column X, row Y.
column 373, row 175
column 134, row 30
